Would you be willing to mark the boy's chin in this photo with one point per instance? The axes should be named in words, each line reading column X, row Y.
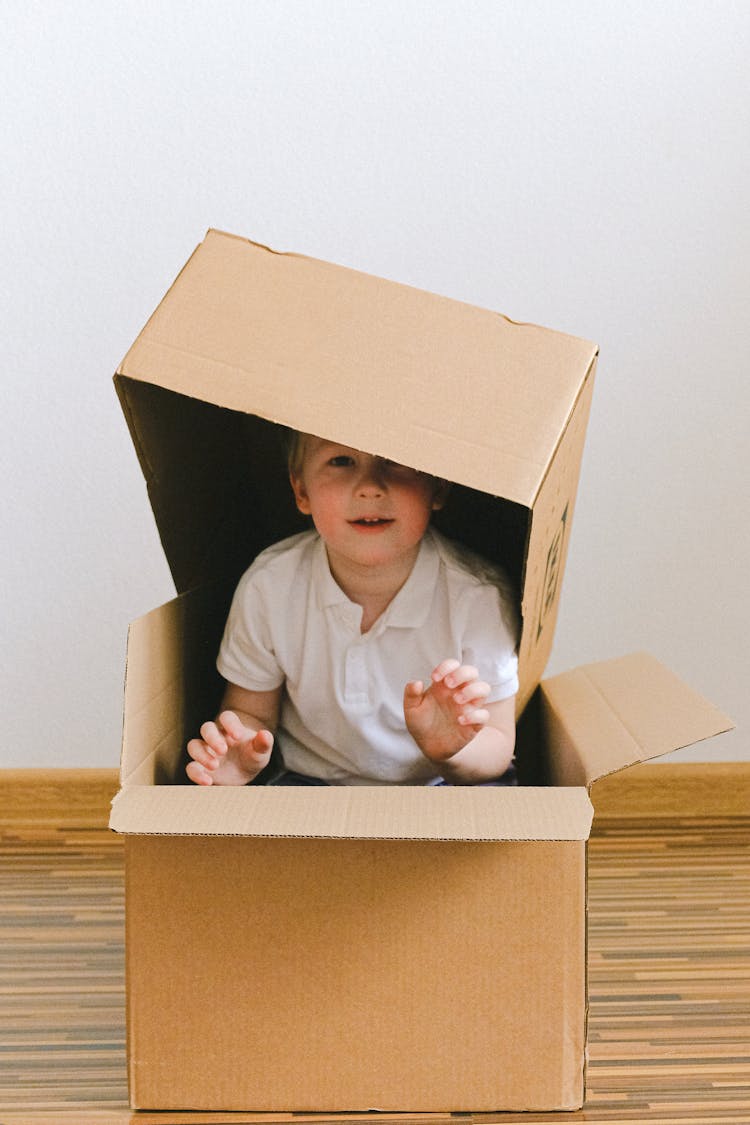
column 379, row 554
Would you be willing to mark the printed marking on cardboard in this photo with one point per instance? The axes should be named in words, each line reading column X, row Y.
column 550, row 586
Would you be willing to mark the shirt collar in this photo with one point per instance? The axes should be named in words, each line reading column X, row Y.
column 328, row 590
column 411, row 605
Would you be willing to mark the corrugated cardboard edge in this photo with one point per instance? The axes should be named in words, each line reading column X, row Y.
column 608, row 716
column 455, row 813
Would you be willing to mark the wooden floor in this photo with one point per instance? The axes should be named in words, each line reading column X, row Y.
column 669, row 1025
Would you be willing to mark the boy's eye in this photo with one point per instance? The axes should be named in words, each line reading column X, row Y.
column 342, row 461
column 399, row 471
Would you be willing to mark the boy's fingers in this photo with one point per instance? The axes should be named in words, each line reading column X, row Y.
column 476, row 717
column 470, row 692
column 263, row 742
column 413, row 693
column 463, row 674
column 199, row 774
column 213, row 738
column 443, row 668
column 232, row 726
column 203, row 754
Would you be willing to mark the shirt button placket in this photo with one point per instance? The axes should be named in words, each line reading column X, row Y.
column 356, row 686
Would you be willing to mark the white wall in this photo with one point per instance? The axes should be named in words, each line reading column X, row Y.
column 582, row 165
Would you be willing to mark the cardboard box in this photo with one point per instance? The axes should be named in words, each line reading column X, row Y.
column 392, row 948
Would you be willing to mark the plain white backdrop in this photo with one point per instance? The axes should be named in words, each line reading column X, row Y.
column 581, row 165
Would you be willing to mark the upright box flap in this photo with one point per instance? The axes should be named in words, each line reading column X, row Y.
column 355, row 812
column 365, row 361
column 171, row 683
column 600, row 718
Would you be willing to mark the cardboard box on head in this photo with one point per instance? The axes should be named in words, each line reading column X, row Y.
column 394, row 948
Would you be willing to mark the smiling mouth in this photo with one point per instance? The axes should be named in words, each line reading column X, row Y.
column 375, row 521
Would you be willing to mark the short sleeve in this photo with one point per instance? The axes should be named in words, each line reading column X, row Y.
column 490, row 638
column 246, row 654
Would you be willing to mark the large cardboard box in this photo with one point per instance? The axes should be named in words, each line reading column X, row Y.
column 392, row 948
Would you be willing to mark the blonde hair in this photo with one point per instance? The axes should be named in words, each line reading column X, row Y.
column 295, row 442
column 294, row 446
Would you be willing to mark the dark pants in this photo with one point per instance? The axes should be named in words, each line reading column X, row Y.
column 288, row 777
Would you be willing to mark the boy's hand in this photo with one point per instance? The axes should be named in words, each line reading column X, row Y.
column 443, row 717
column 228, row 752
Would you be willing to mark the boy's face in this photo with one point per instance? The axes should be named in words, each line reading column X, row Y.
column 368, row 510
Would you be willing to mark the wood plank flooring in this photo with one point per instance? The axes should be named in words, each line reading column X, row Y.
column 669, row 1030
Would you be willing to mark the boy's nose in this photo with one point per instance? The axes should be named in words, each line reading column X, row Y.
column 371, row 480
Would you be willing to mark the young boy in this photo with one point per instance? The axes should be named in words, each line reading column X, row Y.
column 328, row 630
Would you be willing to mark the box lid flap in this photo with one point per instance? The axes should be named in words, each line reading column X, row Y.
column 603, row 717
column 171, row 682
column 354, row 812
column 364, row 361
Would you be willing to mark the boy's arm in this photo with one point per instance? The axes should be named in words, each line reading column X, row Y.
column 490, row 752
column 469, row 740
column 237, row 745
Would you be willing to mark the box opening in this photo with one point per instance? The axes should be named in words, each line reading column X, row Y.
column 217, row 475
column 220, row 475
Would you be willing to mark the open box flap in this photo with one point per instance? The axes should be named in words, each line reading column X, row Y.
column 171, row 682
column 355, row 812
column 312, row 345
column 600, row 718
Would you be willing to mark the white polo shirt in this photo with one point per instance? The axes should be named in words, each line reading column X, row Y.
column 342, row 717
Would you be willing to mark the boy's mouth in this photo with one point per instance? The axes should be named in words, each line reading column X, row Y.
column 371, row 521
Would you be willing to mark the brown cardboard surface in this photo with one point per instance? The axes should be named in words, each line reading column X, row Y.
column 606, row 716
column 358, row 974
column 355, row 812
column 298, row 341
column 547, row 551
column 171, row 681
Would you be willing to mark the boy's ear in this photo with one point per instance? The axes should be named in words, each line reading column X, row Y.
column 300, row 493
column 440, row 495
